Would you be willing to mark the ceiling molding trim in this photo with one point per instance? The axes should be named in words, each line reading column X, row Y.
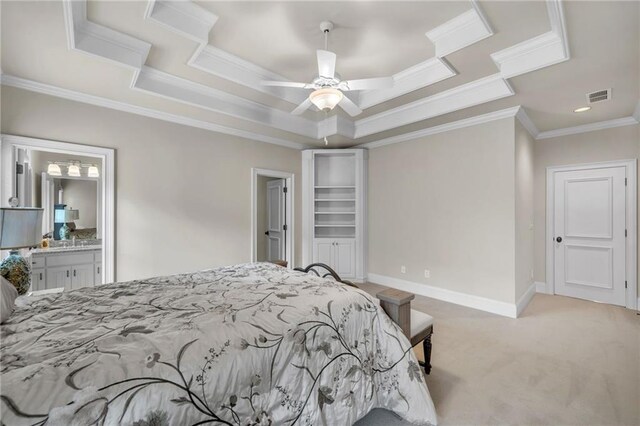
column 474, row 93
column 97, row 40
column 460, row 124
column 230, row 67
column 591, row 127
column 530, row 55
column 336, row 125
column 461, row 31
column 527, row 123
column 47, row 89
column 195, row 94
column 413, row 78
column 538, row 52
column 183, row 17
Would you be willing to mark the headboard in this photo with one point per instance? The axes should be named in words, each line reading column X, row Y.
column 314, row 267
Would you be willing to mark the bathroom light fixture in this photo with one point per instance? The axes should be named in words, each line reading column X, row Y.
column 582, row 109
column 54, row 170
column 93, row 171
column 73, row 170
column 326, row 99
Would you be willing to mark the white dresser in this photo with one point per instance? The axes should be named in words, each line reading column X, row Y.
column 334, row 210
column 68, row 268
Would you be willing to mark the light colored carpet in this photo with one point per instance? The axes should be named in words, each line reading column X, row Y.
column 563, row 362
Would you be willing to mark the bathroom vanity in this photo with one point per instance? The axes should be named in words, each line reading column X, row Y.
column 68, row 268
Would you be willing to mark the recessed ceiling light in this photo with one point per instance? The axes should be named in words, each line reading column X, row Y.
column 582, row 109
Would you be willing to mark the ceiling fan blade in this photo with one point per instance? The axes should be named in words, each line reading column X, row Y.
column 367, row 84
column 302, row 107
column 286, row 84
column 326, row 63
column 348, row 105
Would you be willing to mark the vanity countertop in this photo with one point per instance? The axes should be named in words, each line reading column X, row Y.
column 70, row 248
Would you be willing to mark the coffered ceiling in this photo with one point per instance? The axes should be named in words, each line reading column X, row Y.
column 201, row 63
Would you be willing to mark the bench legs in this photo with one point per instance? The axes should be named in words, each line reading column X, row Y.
column 426, row 346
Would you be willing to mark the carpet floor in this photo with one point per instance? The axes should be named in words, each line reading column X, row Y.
column 563, row 362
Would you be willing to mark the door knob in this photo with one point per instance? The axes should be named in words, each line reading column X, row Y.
column 559, row 239
column 266, row 233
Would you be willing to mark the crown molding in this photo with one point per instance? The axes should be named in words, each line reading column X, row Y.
column 47, row 89
column 538, row 52
column 459, row 32
column 476, row 92
column 460, row 124
column 591, row 127
column 183, row 17
column 195, row 94
column 413, row 78
column 527, row 123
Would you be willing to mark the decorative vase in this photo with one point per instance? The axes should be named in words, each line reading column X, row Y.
column 16, row 270
column 64, row 232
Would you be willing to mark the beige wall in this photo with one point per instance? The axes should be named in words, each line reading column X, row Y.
column 183, row 195
column 446, row 203
column 524, row 245
column 620, row 143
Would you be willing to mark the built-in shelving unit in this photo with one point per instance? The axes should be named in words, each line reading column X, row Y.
column 334, row 209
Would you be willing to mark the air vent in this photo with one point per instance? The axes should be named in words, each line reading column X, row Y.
column 599, row 96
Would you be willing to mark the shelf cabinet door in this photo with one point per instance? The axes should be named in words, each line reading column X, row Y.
column 59, row 276
column 82, row 276
column 37, row 279
column 344, row 261
column 98, row 274
column 323, row 252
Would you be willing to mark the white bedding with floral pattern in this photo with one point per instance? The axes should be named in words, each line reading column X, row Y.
column 241, row 345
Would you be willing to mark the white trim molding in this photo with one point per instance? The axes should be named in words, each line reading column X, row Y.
column 289, row 177
column 525, row 299
column 108, row 189
column 541, row 287
column 476, row 302
column 631, row 262
column 459, row 32
column 591, row 127
column 460, row 124
column 46, row 89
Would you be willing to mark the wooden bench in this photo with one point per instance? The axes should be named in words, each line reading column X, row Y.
column 416, row 325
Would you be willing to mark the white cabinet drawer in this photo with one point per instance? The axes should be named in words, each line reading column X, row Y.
column 37, row 261
column 69, row 259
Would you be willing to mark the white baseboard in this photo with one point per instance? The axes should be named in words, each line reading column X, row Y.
column 541, row 287
column 476, row 302
column 526, row 298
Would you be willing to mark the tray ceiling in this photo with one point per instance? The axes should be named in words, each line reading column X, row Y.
column 200, row 63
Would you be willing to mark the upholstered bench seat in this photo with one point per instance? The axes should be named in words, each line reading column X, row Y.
column 421, row 331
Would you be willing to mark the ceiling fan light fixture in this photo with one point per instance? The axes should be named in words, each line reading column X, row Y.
column 326, row 99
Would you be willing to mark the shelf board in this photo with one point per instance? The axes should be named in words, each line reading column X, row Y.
column 335, row 199
column 336, row 226
column 334, row 187
column 335, row 212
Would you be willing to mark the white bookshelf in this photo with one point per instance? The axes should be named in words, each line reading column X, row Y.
column 333, row 208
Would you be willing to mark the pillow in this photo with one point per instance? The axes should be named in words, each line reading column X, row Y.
column 8, row 294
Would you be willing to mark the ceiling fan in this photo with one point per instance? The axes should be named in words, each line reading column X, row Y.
column 328, row 87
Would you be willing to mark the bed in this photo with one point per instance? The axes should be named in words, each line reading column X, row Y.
column 251, row 344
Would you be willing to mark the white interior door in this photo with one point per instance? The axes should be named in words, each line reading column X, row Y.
column 589, row 232
column 276, row 208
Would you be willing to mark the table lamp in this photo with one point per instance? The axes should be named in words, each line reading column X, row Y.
column 19, row 228
column 65, row 216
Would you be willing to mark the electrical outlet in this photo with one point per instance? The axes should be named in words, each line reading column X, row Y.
column 403, row 269
column 427, row 273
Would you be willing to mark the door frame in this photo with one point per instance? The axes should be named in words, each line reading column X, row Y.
column 289, row 214
column 631, row 301
column 105, row 155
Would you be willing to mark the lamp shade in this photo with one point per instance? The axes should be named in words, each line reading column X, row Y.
column 73, row 170
column 93, row 171
column 20, row 227
column 66, row 216
column 54, row 169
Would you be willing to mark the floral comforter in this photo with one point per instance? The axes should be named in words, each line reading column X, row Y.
column 242, row 345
